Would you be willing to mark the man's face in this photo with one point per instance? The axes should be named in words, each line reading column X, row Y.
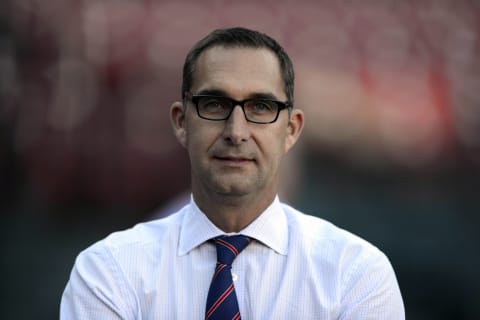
column 235, row 157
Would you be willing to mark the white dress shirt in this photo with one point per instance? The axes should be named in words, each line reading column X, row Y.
column 298, row 267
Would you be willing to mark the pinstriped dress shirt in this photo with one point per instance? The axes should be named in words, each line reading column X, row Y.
column 298, row 267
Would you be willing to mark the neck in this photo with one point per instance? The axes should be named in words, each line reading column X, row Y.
column 232, row 213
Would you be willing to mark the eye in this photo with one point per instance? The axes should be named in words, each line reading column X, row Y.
column 261, row 106
column 213, row 104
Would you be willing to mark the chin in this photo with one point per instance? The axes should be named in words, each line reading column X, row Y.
column 233, row 189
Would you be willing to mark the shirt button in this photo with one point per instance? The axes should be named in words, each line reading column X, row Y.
column 234, row 277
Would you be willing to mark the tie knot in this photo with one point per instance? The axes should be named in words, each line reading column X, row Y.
column 228, row 247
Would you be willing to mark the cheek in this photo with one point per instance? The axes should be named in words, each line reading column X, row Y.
column 200, row 139
column 280, row 141
column 275, row 147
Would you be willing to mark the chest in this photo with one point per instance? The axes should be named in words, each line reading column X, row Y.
column 267, row 285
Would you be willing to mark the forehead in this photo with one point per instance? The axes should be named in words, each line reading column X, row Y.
column 239, row 72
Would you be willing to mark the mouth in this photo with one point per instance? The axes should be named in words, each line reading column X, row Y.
column 233, row 160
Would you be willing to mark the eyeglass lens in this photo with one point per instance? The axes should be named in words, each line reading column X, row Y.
column 219, row 108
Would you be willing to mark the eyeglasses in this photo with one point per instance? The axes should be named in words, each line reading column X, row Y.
column 218, row 108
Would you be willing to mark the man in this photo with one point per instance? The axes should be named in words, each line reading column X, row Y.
column 237, row 122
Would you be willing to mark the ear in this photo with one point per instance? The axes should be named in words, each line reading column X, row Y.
column 295, row 127
column 177, row 119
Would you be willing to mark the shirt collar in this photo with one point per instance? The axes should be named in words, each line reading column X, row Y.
column 270, row 228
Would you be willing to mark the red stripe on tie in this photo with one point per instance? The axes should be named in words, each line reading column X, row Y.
column 229, row 246
column 219, row 268
column 220, row 300
column 237, row 316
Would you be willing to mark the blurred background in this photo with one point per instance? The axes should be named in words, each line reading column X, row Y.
column 391, row 148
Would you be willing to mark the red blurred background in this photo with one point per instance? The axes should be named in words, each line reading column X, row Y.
column 391, row 148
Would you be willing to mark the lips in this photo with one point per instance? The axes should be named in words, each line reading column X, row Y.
column 233, row 159
column 230, row 158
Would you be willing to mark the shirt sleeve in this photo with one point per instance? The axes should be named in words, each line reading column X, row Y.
column 371, row 291
column 97, row 288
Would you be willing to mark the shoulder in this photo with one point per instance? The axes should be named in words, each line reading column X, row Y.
column 318, row 230
column 326, row 241
column 139, row 242
column 363, row 273
column 108, row 274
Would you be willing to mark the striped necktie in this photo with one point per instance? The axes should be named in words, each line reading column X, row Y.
column 222, row 301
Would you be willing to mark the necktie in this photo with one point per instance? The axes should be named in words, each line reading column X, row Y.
column 222, row 301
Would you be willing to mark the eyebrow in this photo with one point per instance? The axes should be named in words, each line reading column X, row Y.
column 222, row 93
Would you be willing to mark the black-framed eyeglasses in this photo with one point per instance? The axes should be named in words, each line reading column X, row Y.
column 218, row 108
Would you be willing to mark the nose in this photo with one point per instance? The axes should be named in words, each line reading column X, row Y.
column 237, row 128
